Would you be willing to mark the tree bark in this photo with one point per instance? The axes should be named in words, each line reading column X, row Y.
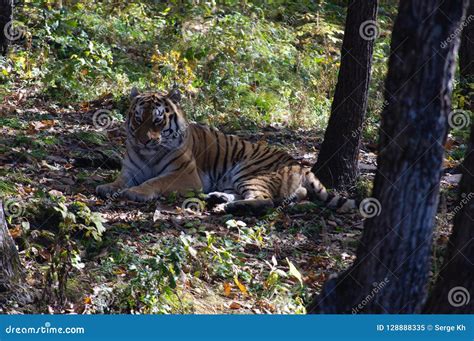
column 466, row 51
column 454, row 288
column 337, row 164
column 10, row 266
column 393, row 258
column 6, row 15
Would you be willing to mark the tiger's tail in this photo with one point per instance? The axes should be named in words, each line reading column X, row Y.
column 317, row 191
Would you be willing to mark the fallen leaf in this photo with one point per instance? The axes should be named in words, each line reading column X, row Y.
column 46, row 165
column 192, row 251
column 55, row 193
column 119, row 271
column 263, row 304
column 80, row 197
column 28, row 189
column 157, row 215
column 45, row 254
column 40, row 125
column 235, row 305
column 442, row 240
column 274, row 261
column 241, row 287
column 48, row 123
column 294, row 272
column 16, row 232
column 227, row 288
column 450, row 142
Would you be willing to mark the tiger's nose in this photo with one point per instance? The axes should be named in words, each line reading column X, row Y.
column 153, row 136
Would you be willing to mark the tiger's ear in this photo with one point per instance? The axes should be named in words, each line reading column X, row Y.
column 175, row 95
column 134, row 93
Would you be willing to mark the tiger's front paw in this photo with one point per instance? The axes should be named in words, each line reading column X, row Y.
column 135, row 194
column 108, row 191
column 214, row 199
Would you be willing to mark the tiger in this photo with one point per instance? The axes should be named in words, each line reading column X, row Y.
column 167, row 153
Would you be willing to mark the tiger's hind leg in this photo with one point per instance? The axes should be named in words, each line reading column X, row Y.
column 257, row 194
column 255, row 207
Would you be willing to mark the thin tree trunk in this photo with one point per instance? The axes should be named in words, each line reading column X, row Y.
column 337, row 164
column 6, row 16
column 466, row 51
column 10, row 266
column 454, row 288
column 393, row 258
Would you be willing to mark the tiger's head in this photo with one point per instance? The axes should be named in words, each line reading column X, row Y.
column 155, row 119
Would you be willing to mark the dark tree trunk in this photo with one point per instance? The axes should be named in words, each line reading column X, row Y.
column 393, row 258
column 454, row 288
column 10, row 266
column 6, row 15
column 466, row 51
column 337, row 165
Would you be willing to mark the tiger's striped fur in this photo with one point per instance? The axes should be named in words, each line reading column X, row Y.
column 166, row 153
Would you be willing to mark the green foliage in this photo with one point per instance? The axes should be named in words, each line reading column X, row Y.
column 363, row 188
column 156, row 280
column 12, row 122
column 150, row 284
column 223, row 258
column 241, row 64
column 92, row 221
column 53, row 226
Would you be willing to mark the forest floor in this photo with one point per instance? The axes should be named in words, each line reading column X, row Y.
column 158, row 257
